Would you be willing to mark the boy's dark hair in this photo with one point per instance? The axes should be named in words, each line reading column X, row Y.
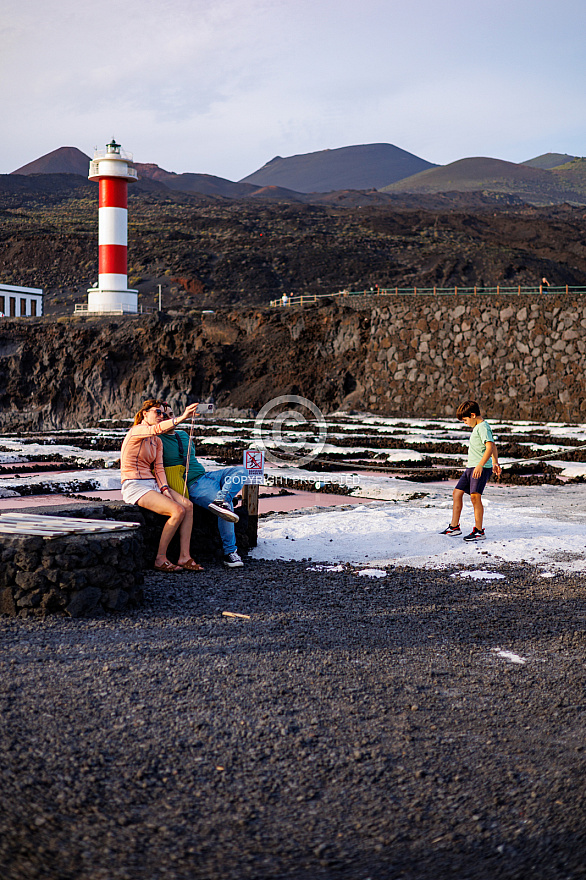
column 468, row 408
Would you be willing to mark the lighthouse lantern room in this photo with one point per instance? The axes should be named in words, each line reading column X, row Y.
column 112, row 168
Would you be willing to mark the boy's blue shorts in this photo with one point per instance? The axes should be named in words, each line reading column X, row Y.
column 468, row 484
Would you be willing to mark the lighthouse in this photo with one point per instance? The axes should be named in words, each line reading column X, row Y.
column 113, row 169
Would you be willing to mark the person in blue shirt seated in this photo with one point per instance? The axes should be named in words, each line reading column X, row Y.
column 213, row 490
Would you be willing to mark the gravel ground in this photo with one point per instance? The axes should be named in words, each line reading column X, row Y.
column 351, row 728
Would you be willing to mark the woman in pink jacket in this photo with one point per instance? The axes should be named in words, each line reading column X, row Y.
column 144, row 482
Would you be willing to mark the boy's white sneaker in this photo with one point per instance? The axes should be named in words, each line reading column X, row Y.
column 452, row 530
column 475, row 535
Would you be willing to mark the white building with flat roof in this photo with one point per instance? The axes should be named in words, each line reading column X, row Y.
column 20, row 302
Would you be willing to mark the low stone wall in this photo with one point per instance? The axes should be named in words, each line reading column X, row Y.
column 75, row 575
column 79, row 575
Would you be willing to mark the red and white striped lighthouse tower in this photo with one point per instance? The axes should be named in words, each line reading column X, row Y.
column 112, row 168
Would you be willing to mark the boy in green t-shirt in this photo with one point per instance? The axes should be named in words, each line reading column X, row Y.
column 482, row 460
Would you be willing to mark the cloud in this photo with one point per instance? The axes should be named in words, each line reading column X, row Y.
column 223, row 86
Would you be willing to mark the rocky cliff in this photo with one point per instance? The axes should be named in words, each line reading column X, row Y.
column 523, row 357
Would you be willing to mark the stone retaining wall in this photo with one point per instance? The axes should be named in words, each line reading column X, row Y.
column 519, row 357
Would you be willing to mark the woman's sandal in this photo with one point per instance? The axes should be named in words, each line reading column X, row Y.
column 168, row 567
column 191, row 565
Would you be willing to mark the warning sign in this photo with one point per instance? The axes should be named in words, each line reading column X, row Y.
column 254, row 462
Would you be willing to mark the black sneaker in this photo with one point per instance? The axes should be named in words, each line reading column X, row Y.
column 221, row 509
column 452, row 530
column 476, row 535
column 232, row 560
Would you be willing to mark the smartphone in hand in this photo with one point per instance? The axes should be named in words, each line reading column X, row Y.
column 204, row 408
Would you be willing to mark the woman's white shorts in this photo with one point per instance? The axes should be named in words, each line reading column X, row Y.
column 132, row 490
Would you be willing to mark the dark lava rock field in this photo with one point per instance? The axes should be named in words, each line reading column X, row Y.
column 419, row 726
column 208, row 252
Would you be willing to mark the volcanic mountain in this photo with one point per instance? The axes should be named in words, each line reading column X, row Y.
column 366, row 166
column 70, row 160
column 64, row 160
column 342, row 177
column 207, row 184
column 549, row 160
column 486, row 175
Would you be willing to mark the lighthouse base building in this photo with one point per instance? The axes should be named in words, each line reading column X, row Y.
column 113, row 302
column 112, row 168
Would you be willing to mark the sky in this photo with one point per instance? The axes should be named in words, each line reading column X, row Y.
column 223, row 86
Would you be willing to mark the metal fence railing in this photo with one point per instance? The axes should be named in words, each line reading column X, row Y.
column 120, row 309
column 519, row 290
column 82, row 309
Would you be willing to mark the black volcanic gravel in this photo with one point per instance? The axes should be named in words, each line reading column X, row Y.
column 353, row 727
